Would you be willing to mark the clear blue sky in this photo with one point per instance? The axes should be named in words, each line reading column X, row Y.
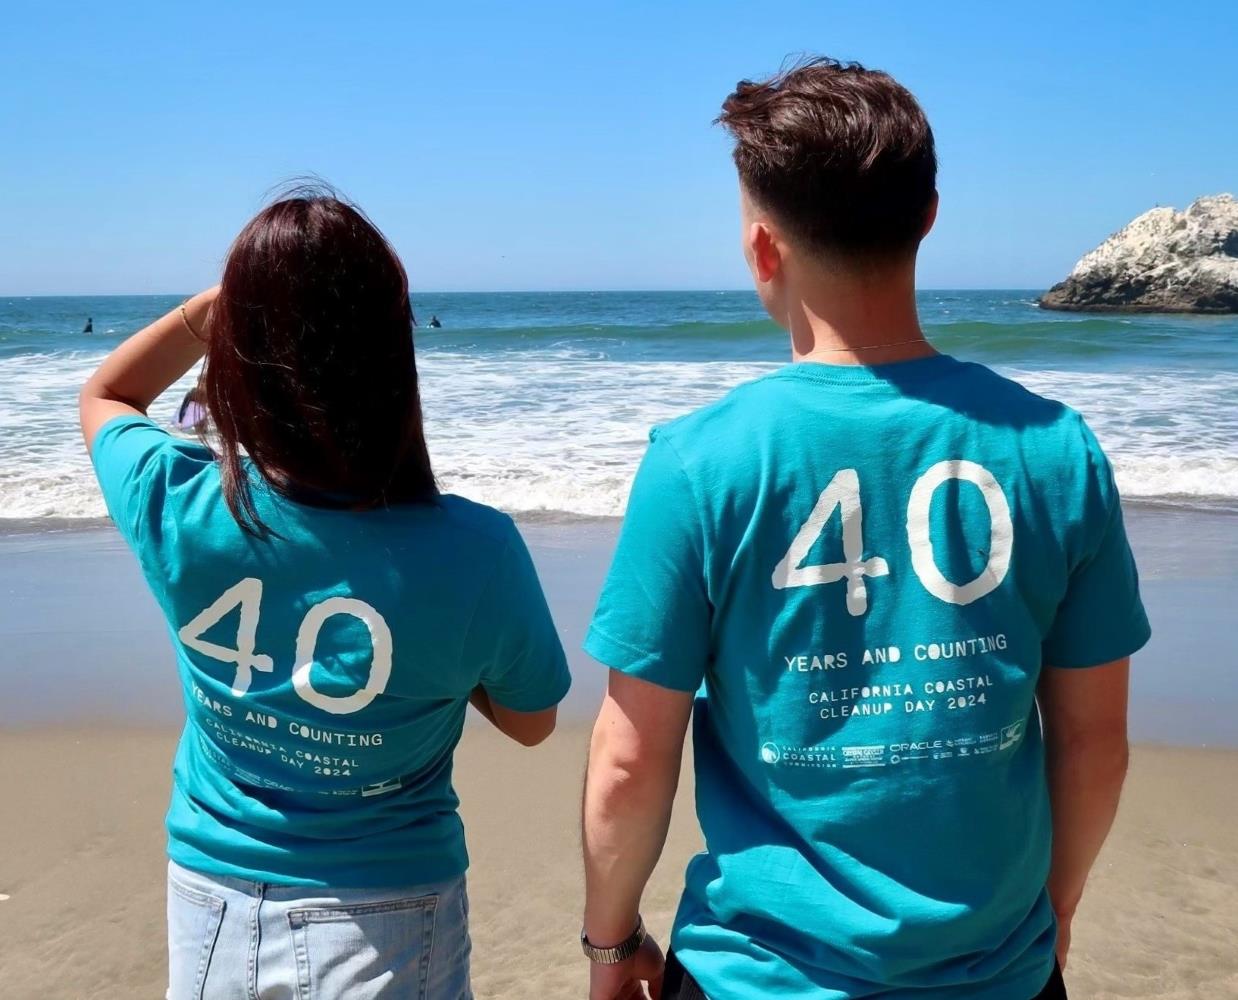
column 542, row 145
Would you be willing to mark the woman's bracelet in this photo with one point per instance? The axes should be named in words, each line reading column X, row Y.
column 189, row 326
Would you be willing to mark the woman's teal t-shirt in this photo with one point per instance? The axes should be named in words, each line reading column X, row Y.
column 866, row 569
column 327, row 669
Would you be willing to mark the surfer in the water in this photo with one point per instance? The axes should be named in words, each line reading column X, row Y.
column 434, row 323
column 90, row 326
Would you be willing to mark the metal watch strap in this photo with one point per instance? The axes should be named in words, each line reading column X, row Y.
column 621, row 952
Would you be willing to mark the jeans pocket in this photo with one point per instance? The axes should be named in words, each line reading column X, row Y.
column 193, row 927
column 364, row 951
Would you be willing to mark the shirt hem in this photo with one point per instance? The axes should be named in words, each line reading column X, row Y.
column 383, row 876
column 1027, row 986
column 1120, row 651
column 627, row 659
column 531, row 704
column 110, row 426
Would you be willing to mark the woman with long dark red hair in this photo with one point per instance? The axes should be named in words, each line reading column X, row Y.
column 332, row 615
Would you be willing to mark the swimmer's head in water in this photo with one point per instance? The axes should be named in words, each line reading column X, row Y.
column 310, row 367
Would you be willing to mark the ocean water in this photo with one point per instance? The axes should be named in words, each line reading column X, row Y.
column 541, row 402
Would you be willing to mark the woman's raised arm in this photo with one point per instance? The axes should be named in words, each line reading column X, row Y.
column 141, row 368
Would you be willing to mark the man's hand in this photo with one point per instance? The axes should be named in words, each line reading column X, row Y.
column 624, row 981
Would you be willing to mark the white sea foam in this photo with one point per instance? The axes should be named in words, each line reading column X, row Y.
column 1171, row 436
column 44, row 470
column 549, row 431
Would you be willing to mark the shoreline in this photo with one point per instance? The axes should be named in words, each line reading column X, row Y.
column 1140, row 506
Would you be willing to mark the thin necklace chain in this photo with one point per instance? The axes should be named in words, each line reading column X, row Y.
column 867, row 347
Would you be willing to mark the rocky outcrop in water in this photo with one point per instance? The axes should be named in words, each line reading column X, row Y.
column 1163, row 261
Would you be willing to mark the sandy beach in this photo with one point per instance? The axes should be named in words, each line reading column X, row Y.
column 83, row 866
column 84, row 771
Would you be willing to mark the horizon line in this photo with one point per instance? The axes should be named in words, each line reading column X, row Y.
column 521, row 291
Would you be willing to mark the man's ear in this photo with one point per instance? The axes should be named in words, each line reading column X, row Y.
column 766, row 254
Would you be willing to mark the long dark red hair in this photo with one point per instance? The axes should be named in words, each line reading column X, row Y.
column 310, row 369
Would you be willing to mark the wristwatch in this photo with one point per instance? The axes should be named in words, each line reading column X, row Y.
column 621, row 952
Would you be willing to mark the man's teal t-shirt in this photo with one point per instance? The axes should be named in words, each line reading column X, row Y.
column 866, row 569
column 326, row 669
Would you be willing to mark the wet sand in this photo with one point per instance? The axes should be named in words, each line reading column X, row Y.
column 82, row 642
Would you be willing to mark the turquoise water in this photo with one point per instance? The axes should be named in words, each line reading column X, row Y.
column 542, row 401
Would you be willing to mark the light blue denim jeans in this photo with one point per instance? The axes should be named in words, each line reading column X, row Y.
column 230, row 939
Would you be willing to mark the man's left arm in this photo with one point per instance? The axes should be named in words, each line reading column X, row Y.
column 633, row 774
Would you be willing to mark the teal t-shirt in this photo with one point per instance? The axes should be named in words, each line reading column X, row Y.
column 866, row 568
column 326, row 670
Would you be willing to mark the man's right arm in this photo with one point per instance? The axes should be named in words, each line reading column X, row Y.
column 1084, row 715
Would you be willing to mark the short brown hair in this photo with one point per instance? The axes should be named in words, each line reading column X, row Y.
column 841, row 155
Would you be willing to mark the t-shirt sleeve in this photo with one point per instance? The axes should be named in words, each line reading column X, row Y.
column 653, row 617
column 127, row 453
column 514, row 638
column 1100, row 617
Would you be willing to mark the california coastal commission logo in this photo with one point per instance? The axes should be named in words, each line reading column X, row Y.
column 770, row 753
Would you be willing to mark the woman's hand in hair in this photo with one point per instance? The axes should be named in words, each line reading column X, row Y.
column 135, row 374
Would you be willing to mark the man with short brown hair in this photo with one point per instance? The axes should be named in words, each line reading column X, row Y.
column 875, row 573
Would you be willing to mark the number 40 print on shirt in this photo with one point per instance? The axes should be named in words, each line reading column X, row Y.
column 248, row 596
column 843, row 492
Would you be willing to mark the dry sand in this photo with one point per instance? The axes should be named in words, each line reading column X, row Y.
column 81, row 857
